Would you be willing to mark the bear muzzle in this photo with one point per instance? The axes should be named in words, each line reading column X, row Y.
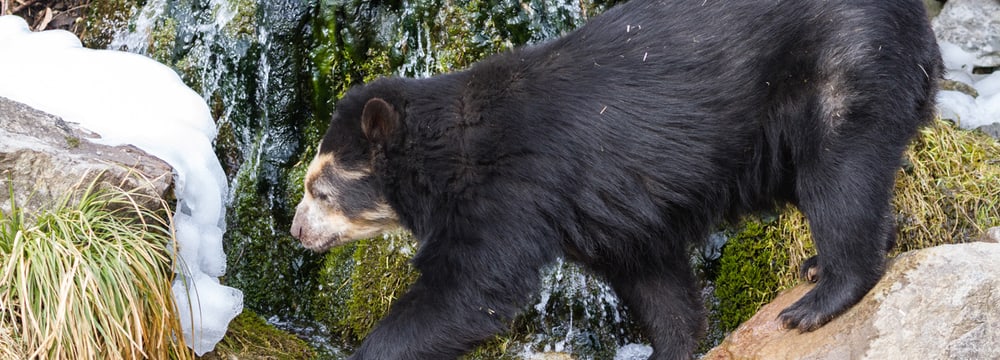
column 319, row 227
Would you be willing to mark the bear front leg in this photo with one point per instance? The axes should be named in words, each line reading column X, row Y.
column 429, row 323
column 464, row 296
column 667, row 306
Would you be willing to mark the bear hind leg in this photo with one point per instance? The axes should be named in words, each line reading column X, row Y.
column 845, row 195
column 810, row 271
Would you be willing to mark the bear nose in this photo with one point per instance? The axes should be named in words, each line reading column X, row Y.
column 297, row 227
column 298, row 222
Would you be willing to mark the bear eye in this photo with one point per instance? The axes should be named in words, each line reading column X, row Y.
column 316, row 194
column 322, row 197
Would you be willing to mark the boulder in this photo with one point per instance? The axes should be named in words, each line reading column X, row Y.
column 992, row 235
column 43, row 159
column 973, row 25
column 991, row 130
column 935, row 303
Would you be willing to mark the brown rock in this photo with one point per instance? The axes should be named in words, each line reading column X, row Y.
column 44, row 159
column 551, row 356
column 936, row 303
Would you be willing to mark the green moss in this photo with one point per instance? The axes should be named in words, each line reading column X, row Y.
column 276, row 259
column 458, row 45
column 105, row 18
column 162, row 40
column 751, row 271
column 294, row 189
column 72, row 142
column 227, row 148
column 933, row 7
column 501, row 347
column 250, row 337
column 359, row 282
column 381, row 274
column 244, row 21
column 334, row 291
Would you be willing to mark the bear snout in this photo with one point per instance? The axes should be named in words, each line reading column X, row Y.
column 304, row 230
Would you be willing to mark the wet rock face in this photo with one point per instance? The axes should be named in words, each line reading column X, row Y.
column 45, row 158
column 936, row 303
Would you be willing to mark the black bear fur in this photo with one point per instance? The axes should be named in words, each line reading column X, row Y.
column 624, row 142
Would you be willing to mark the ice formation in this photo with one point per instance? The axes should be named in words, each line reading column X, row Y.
column 969, row 112
column 131, row 99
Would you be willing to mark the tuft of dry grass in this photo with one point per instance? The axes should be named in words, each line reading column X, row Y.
column 10, row 348
column 949, row 192
column 89, row 279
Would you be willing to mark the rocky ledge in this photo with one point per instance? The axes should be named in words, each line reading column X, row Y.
column 935, row 303
column 44, row 159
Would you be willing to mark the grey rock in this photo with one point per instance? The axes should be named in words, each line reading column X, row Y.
column 991, row 130
column 935, row 303
column 44, row 160
column 974, row 25
column 992, row 235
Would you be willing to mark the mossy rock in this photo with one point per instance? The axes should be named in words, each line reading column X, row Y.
column 755, row 265
column 359, row 282
column 250, row 337
column 244, row 18
column 105, row 18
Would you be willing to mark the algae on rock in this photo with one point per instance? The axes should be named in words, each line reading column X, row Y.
column 753, row 267
column 105, row 18
column 251, row 337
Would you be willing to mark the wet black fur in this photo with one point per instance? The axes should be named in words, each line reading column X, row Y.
column 622, row 143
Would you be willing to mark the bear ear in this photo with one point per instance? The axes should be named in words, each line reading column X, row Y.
column 379, row 120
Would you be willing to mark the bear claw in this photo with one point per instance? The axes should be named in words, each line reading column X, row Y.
column 810, row 270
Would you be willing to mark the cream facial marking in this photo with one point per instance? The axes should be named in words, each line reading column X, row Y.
column 339, row 206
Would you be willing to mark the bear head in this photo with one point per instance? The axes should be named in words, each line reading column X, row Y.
column 343, row 199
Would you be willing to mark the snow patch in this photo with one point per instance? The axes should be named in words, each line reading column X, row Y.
column 634, row 352
column 969, row 112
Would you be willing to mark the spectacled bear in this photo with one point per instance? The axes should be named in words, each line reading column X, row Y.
column 618, row 146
